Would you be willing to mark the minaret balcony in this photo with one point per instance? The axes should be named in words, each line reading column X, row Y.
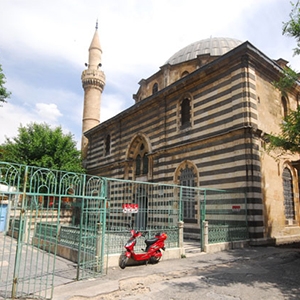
column 94, row 78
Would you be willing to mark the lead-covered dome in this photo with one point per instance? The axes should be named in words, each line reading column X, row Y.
column 216, row 46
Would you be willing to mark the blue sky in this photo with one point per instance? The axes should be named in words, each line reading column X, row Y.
column 44, row 45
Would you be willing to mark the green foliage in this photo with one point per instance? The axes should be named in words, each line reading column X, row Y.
column 4, row 94
column 289, row 138
column 286, row 81
column 292, row 27
column 39, row 145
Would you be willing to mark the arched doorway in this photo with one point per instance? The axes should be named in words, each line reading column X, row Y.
column 187, row 179
column 138, row 168
column 186, row 176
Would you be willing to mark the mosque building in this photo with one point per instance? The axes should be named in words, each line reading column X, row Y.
column 202, row 120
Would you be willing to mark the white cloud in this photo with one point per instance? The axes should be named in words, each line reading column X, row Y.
column 11, row 117
column 112, row 105
column 44, row 45
column 48, row 112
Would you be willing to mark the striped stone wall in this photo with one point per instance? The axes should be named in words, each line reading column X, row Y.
column 223, row 141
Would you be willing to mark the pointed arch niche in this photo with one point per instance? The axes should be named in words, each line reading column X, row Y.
column 186, row 174
column 139, row 163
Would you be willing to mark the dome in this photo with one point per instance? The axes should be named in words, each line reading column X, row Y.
column 213, row 46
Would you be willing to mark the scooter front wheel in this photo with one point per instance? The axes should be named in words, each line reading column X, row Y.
column 123, row 259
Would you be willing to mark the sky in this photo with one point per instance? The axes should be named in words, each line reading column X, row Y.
column 44, row 47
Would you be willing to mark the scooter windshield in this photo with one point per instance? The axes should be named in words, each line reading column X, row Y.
column 130, row 242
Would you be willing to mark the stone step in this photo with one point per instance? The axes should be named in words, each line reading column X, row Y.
column 191, row 236
column 192, row 246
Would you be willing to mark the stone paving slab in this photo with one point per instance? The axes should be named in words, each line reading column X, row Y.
column 201, row 273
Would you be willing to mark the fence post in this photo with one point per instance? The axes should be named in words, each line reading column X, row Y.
column 180, row 236
column 205, row 225
column 20, row 241
column 99, row 247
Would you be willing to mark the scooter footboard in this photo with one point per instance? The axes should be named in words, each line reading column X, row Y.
column 157, row 253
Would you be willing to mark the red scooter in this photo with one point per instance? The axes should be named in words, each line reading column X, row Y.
column 152, row 253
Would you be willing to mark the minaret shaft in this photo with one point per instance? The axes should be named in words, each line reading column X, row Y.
column 93, row 82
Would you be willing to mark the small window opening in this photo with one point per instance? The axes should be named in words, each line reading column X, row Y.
column 155, row 88
column 185, row 73
column 284, row 106
column 107, row 145
column 185, row 113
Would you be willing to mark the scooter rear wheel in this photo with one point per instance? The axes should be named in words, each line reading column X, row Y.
column 154, row 259
column 123, row 259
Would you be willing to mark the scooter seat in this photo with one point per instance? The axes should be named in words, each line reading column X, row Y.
column 151, row 241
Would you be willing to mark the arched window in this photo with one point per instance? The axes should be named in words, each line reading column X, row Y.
column 138, row 163
column 185, row 113
column 289, row 206
column 107, row 145
column 141, row 161
column 284, row 106
column 145, row 163
column 184, row 73
column 155, row 88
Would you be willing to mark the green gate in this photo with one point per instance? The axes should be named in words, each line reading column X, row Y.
column 224, row 212
column 50, row 213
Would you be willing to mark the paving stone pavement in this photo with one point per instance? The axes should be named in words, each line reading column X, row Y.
column 247, row 274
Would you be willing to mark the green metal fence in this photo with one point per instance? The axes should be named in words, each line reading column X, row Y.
column 39, row 201
column 226, row 214
column 65, row 223
column 158, row 210
column 61, row 226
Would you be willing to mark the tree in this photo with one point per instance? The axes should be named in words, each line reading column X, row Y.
column 292, row 27
column 286, row 80
column 4, row 94
column 289, row 137
column 39, row 145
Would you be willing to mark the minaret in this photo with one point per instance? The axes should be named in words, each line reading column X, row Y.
column 93, row 81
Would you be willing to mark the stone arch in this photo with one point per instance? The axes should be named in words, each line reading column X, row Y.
column 184, row 73
column 135, row 141
column 138, row 158
column 183, row 165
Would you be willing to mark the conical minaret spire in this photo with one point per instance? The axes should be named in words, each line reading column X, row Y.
column 93, row 81
column 95, row 51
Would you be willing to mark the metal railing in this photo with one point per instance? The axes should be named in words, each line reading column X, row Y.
column 85, row 218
